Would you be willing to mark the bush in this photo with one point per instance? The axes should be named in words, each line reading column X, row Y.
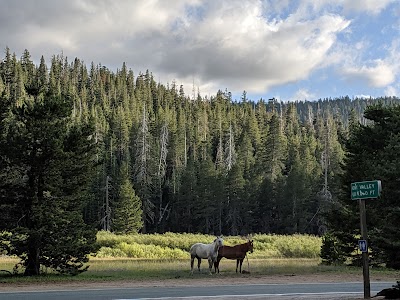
column 299, row 246
column 110, row 252
column 176, row 245
column 331, row 253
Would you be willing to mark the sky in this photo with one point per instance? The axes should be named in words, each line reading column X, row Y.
column 287, row 49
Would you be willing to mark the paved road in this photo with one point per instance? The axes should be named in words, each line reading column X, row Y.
column 248, row 291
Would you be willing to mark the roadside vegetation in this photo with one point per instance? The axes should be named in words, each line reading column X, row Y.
column 176, row 245
column 142, row 257
column 141, row 270
column 156, row 255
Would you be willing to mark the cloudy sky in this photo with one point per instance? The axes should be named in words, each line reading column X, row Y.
column 287, row 49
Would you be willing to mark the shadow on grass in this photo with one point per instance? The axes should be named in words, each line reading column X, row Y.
column 146, row 270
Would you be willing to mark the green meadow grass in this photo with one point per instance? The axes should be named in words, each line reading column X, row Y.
column 111, row 269
column 144, row 257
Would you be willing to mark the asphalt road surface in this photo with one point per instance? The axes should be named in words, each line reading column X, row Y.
column 247, row 291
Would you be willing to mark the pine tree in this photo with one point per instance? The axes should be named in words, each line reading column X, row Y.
column 48, row 166
column 236, row 205
column 372, row 155
column 128, row 208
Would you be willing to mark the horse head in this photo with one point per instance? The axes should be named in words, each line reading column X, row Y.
column 250, row 246
column 219, row 242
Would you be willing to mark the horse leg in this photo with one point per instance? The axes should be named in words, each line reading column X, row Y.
column 191, row 264
column 198, row 263
column 210, row 264
column 241, row 262
column 216, row 265
column 237, row 264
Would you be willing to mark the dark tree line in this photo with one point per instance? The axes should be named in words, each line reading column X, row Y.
column 131, row 154
column 372, row 154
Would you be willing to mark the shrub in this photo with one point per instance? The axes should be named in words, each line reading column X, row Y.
column 331, row 252
column 299, row 246
column 110, row 252
column 176, row 245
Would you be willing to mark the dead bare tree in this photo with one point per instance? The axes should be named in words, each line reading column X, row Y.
column 142, row 174
column 106, row 219
column 162, row 165
column 230, row 153
column 219, row 159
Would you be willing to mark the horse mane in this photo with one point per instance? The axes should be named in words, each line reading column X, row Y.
column 216, row 245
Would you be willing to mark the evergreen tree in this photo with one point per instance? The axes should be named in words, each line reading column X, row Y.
column 236, row 206
column 186, row 201
column 128, row 208
column 372, row 155
column 49, row 165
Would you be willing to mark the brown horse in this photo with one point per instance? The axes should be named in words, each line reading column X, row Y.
column 237, row 252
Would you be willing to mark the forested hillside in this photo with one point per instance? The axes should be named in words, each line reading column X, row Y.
column 164, row 160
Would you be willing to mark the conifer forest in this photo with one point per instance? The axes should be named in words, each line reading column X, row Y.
column 84, row 148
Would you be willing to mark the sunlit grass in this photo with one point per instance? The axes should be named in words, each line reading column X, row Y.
column 7, row 264
column 156, row 269
column 143, row 257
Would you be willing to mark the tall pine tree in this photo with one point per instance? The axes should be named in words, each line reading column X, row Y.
column 48, row 166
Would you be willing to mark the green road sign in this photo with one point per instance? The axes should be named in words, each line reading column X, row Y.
column 366, row 189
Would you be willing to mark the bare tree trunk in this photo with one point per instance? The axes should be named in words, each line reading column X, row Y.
column 219, row 159
column 142, row 172
column 107, row 209
column 162, row 165
column 230, row 150
column 32, row 263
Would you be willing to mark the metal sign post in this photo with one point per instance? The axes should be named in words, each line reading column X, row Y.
column 361, row 191
column 363, row 221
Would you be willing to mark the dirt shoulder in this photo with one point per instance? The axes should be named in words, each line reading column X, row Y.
column 193, row 281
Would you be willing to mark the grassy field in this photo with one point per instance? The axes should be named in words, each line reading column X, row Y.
column 111, row 269
column 165, row 256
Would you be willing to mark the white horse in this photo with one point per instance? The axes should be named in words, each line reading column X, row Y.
column 209, row 251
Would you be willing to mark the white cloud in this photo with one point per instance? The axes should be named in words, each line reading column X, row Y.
column 234, row 46
column 369, row 6
column 372, row 7
column 303, row 94
column 378, row 75
column 392, row 91
column 362, row 96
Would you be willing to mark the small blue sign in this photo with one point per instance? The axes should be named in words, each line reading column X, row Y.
column 362, row 244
